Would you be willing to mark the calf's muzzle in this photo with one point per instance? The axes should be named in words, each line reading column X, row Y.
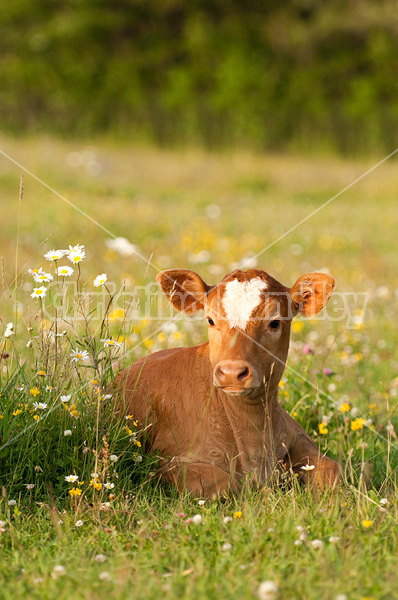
column 233, row 374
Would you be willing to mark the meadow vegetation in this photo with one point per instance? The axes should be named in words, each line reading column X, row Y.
column 81, row 511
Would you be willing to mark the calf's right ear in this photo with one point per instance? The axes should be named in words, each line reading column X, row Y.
column 185, row 289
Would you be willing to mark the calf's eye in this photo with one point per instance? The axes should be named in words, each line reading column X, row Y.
column 211, row 322
column 274, row 324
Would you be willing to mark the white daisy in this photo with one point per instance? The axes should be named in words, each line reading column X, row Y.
column 307, row 467
column 65, row 271
column 109, row 486
column 41, row 276
column 39, row 292
column 77, row 355
column 65, row 398
column 55, row 254
column 9, row 330
column 71, row 478
column 40, row 405
column 100, row 280
column 76, row 253
column 109, row 342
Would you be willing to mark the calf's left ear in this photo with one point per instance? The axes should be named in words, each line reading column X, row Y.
column 311, row 293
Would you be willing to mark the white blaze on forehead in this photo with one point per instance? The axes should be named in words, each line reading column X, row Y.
column 240, row 299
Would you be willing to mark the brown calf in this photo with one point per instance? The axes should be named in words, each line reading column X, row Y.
column 212, row 410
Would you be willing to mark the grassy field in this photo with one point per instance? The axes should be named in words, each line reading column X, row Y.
column 114, row 532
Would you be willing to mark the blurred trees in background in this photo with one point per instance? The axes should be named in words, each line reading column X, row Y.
column 268, row 74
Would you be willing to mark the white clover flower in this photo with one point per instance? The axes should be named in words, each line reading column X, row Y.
column 384, row 501
column 227, row 520
column 317, row 544
column 138, row 458
column 12, row 503
column 110, row 343
column 79, row 523
column 77, row 355
column 39, row 292
column 94, row 475
column 226, row 547
column 100, row 558
column 267, row 590
column 334, row 539
column 109, row 486
column 105, row 576
column 307, row 467
column 65, row 271
column 30, row 486
column 122, row 246
column 100, row 280
column 297, row 542
column 41, row 276
column 55, row 254
column 58, row 571
column 65, row 399
column 201, row 502
column 76, row 253
column 40, row 405
column 71, row 478
column 113, row 458
column 197, row 519
column 67, row 432
column 9, row 330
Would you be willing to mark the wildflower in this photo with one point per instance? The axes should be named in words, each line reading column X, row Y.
column 100, row 280
column 58, row 571
column 307, row 349
column 197, row 519
column 323, row 430
column 65, row 398
column 100, row 558
column 237, row 514
column 105, row 576
column 226, row 547
column 67, row 432
column 34, row 391
column 307, row 467
column 384, row 501
column 317, row 544
column 327, row 371
column 12, row 503
column 17, row 412
column 107, row 396
column 333, row 539
column 79, row 523
column 71, row 478
column 28, row 344
column 122, row 246
column 9, row 330
column 201, row 502
column 109, row 486
column 40, row 405
column 40, row 373
column 341, row 597
column 75, row 492
column 297, row 542
column 137, row 458
column 366, row 524
column 65, row 271
column 227, row 520
column 41, row 277
column 345, row 407
column 267, row 590
column 109, row 343
column 55, row 254
column 36, row 417
column 357, row 424
column 77, row 355
column 113, row 458
column 76, row 253
column 30, row 486
column 39, row 292
column 74, row 413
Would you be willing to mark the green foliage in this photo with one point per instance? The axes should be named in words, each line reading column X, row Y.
column 261, row 74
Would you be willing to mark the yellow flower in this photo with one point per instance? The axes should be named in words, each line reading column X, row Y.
column 97, row 485
column 137, row 443
column 357, row 424
column 323, row 430
column 128, row 430
column 366, row 523
column 345, row 407
column 177, row 335
column 116, row 315
column 161, row 337
column 1, row 416
column 74, row 413
column 94, row 382
column 373, row 408
column 298, row 326
column 80, row 483
column 237, row 514
column 128, row 417
column 75, row 492
column 41, row 373
column 17, row 412
column 36, row 417
column 281, row 384
column 148, row 343
column 35, row 392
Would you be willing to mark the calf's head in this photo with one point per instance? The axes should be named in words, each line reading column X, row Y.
column 249, row 316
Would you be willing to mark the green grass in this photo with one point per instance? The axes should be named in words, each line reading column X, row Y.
column 162, row 203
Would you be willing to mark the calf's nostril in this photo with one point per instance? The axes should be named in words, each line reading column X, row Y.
column 243, row 374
